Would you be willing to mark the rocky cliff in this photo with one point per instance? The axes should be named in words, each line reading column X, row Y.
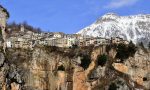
column 88, row 68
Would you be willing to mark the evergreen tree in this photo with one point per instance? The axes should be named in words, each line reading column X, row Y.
column 102, row 59
column 122, row 52
column 0, row 33
column 131, row 49
column 141, row 45
column 61, row 68
column 85, row 61
column 149, row 45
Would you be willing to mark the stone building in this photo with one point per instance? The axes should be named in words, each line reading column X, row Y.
column 72, row 39
column 87, row 41
column 116, row 40
column 81, row 42
column 58, row 35
column 101, row 41
column 125, row 42
column 61, row 42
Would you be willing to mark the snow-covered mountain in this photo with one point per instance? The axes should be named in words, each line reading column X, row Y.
column 135, row 28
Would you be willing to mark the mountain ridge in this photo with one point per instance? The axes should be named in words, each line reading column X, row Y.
column 132, row 27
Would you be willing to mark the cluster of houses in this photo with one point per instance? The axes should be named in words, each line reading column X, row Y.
column 28, row 39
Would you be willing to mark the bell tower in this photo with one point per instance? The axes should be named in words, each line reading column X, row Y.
column 22, row 28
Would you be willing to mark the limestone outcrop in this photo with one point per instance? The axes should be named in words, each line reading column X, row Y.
column 44, row 68
column 4, row 15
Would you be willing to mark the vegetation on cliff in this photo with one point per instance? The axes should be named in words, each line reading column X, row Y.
column 124, row 51
column 102, row 59
column 54, row 66
column 16, row 27
column 149, row 45
column 85, row 61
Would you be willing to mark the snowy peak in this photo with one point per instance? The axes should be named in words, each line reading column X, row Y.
column 110, row 16
column 135, row 27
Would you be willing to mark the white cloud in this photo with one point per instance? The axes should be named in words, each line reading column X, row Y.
column 120, row 3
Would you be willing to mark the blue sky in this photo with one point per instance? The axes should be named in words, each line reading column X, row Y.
column 69, row 16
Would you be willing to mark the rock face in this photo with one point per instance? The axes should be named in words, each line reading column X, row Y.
column 120, row 67
column 3, row 18
column 47, row 69
column 135, row 28
column 2, row 59
column 137, row 67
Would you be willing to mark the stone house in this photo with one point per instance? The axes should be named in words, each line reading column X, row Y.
column 58, row 35
column 43, row 42
column 48, row 35
column 96, row 41
column 27, row 36
column 87, row 41
column 35, row 36
column 72, row 39
column 12, row 40
column 60, row 42
column 116, row 40
column 8, row 44
column 29, row 33
column 125, row 42
column 51, row 42
column 103, row 41
column 17, row 44
column 27, row 44
column 81, row 42
column 92, row 40
column 1, row 44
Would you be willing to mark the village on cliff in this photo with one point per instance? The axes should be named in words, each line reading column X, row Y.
column 28, row 39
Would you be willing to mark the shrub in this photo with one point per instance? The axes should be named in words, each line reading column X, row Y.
column 124, row 51
column 149, row 45
column 141, row 45
column 109, row 47
column 1, row 34
column 145, row 79
column 74, row 46
column 0, row 31
column 131, row 49
column 113, row 86
column 102, row 59
column 51, row 48
column 85, row 61
column 61, row 68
